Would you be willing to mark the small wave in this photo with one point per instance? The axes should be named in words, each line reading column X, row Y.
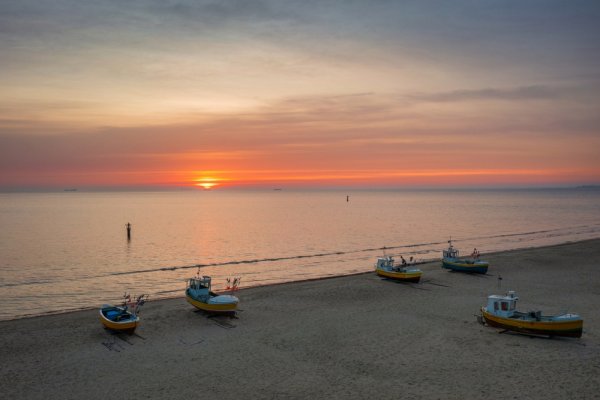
column 593, row 228
column 271, row 259
column 12, row 284
column 168, row 291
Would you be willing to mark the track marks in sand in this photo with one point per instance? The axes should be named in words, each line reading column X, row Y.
column 223, row 321
column 112, row 344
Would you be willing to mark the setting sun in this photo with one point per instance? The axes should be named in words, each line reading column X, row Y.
column 207, row 183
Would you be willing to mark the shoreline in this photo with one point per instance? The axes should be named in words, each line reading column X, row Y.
column 423, row 262
column 350, row 337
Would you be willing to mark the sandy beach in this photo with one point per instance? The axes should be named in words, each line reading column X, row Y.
column 357, row 337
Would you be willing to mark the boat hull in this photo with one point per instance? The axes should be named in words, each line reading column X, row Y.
column 212, row 308
column 463, row 266
column 408, row 276
column 119, row 326
column 572, row 328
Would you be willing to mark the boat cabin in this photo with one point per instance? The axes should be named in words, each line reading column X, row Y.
column 451, row 252
column 199, row 286
column 385, row 262
column 502, row 306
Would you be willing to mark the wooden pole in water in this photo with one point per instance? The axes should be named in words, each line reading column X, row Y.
column 128, row 226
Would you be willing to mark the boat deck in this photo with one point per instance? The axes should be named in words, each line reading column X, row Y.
column 534, row 316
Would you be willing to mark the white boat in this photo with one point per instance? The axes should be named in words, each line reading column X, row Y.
column 501, row 312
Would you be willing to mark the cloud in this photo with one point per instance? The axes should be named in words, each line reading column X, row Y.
column 362, row 130
column 518, row 93
column 169, row 85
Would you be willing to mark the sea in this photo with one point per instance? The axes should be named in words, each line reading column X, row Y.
column 69, row 250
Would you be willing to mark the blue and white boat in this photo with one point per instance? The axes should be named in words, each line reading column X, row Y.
column 452, row 261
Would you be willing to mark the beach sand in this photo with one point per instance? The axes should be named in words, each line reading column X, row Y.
column 355, row 337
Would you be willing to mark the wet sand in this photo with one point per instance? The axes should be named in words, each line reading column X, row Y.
column 357, row 337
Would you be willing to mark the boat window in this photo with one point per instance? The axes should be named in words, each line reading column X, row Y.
column 495, row 306
column 504, row 306
column 512, row 305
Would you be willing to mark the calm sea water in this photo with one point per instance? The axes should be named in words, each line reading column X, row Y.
column 66, row 251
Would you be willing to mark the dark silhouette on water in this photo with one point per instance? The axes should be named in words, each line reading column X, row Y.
column 128, row 226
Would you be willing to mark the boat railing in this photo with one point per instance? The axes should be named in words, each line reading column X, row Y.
column 450, row 253
column 199, row 283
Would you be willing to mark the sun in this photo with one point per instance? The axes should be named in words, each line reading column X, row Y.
column 206, row 185
column 207, row 182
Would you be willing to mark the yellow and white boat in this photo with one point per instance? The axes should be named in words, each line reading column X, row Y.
column 501, row 312
column 198, row 293
column 401, row 272
column 122, row 318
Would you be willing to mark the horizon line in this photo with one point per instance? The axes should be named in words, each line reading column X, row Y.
column 150, row 188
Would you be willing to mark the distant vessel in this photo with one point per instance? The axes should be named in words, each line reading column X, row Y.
column 70, row 190
column 198, row 293
column 501, row 312
column 124, row 318
column 402, row 272
column 452, row 261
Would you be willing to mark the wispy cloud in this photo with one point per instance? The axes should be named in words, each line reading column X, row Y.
column 510, row 94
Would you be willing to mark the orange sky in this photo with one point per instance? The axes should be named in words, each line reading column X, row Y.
column 277, row 94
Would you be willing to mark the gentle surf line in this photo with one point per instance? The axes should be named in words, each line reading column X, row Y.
column 333, row 253
column 593, row 228
column 259, row 260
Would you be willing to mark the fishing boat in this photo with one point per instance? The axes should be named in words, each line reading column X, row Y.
column 124, row 318
column 386, row 268
column 199, row 294
column 501, row 312
column 452, row 261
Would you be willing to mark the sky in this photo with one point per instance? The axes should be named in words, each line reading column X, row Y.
column 275, row 93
